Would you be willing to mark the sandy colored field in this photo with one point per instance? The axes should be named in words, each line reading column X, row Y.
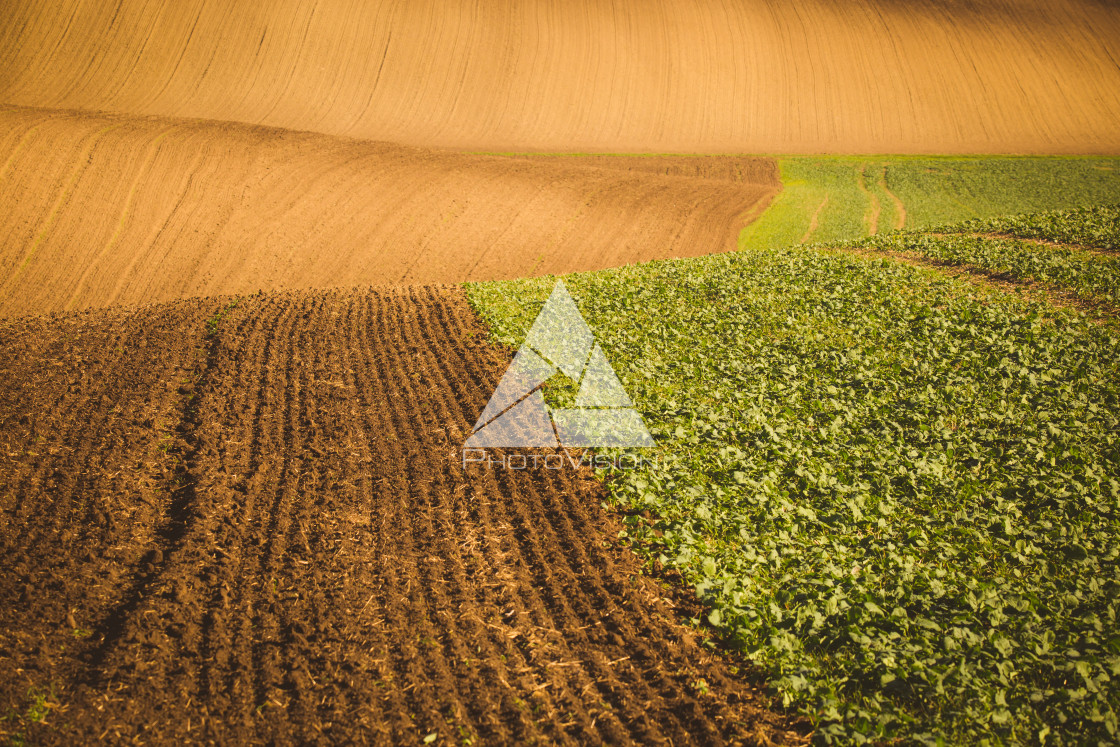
column 99, row 210
column 260, row 531
column 757, row 76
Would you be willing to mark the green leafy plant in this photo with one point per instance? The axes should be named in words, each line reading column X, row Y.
column 897, row 493
column 1091, row 275
column 213, row 322
column 1097, row 226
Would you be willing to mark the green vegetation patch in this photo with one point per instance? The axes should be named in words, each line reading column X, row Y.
column 1093, row 226
column 946, row 190
column 851, row 195
column 820, row 201
column 1091, row 275
column 897, row 493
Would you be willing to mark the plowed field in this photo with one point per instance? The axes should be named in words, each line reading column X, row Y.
column 766, row 76
column 99, row 210
column 227, row 523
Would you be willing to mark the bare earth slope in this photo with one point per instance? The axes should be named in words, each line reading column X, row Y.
column 757, row 76
column 254, row 525
column 101, row 210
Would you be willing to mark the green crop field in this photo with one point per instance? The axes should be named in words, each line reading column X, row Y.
column 852, row 195
column 1016, row 250
column 1096, row 227
column 897, row 492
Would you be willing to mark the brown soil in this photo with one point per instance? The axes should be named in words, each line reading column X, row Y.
column 101, row 210
column 770, row 76
column 224, row 524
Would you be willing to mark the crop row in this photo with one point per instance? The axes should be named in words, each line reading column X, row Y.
column 1092, row 276
column 1093, row 226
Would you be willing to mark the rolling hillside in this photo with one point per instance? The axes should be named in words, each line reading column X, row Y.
column 101, row 210
column 766, row 76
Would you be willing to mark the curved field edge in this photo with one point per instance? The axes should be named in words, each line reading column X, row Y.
column 895, row 491
column 835, row 198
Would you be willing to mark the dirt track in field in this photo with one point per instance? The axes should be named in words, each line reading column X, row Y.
column 767, row 76
column 266, row 533
column 98, row 210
